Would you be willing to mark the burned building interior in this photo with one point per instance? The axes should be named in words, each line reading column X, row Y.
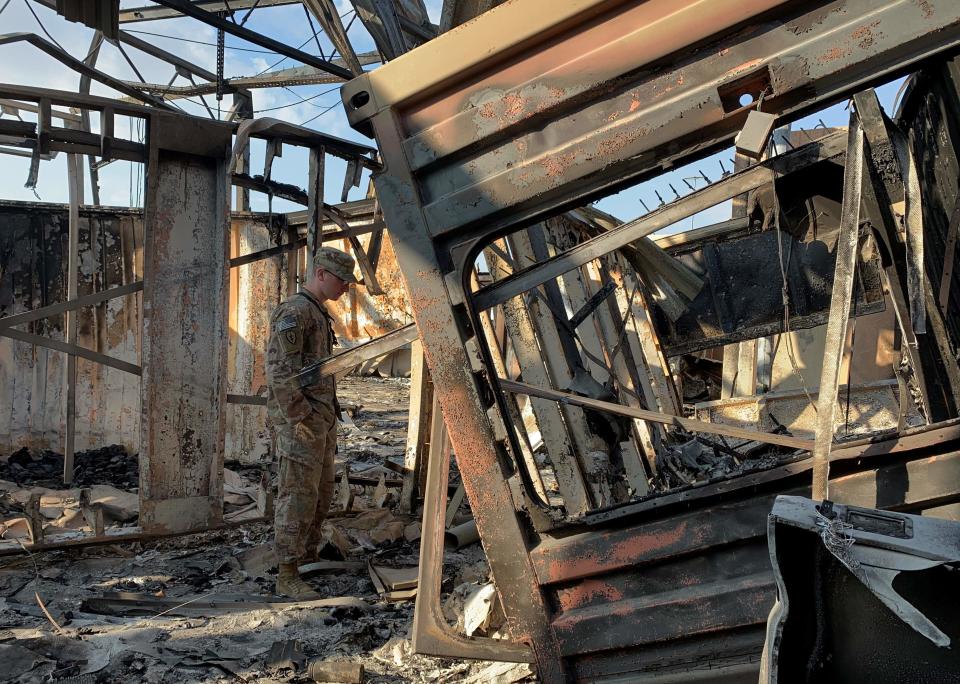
column 652, row 372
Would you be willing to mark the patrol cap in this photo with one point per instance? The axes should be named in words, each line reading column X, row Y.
column 337, row 262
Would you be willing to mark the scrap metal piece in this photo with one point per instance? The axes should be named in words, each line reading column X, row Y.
column 128, row 604
column 34, row 519
column 321, row 670
column 462, row 535
column 753, row 138
column 840, row 300
column 596, row 299
column 92, row 512
column 689, row 424
column 356, row 355
column 285, row 655
column 913, row 220
column 860, row 595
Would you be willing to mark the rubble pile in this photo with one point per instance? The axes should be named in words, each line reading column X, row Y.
column 112, row 465
column 200, row 608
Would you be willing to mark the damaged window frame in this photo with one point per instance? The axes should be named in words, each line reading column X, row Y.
column 511, row 132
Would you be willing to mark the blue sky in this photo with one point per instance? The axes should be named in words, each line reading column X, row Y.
column 118, row 181
column 24, row 65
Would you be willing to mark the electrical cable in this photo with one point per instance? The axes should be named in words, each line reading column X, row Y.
column 292, row 104
column 42, row 27
column 282, row 59
column 201, row 42
column 314, row 118
column 300, row 46
column 308, row 101
column 314, row 29
column 785, row 295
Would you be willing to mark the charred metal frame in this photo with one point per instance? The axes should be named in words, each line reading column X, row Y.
column 572, row 102
column 189, row 169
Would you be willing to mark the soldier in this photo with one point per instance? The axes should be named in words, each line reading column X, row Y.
column 303, row 415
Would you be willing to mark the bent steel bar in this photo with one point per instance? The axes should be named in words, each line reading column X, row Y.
column 72, row 305
column 689, row 424
column 431, row 632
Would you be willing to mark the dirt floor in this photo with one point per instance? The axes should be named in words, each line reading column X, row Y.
column 199, row 608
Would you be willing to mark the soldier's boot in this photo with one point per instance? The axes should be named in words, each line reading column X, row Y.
column 289, row 583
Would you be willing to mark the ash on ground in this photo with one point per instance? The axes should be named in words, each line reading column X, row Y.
column 200, row 608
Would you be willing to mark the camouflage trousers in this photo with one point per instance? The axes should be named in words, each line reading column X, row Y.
column 306, row 453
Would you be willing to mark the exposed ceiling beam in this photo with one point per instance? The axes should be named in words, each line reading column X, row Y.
column 293, row 76
column 82, row 68
column 326, row 13
column 155, row 12
column 189, row 9
column 6, row 104
column 169, row 57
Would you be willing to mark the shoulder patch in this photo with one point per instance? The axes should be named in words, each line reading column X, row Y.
column 289, row 335
column 286, row 323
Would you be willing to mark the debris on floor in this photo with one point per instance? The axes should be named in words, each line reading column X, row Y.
column 200, row 608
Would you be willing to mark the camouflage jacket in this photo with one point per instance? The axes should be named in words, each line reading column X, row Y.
column 301, row 332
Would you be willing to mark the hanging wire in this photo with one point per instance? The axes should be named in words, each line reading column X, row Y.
column 293, row 104
column 314, row 29
column 42, row 27
column 282, row 59
column 310, row 100
column 200, row 42
column 785, row 295
column 314, row 118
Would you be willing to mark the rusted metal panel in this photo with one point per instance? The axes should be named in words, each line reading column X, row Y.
column 635, row 599
column 930, row 111
column 184, row 342
column 34, row 245
column 255, row 289
column 488, row 130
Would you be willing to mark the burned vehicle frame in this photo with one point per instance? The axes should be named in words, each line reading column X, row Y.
column 486, row 134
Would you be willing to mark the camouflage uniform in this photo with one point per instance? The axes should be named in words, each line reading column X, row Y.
column 303, row 421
